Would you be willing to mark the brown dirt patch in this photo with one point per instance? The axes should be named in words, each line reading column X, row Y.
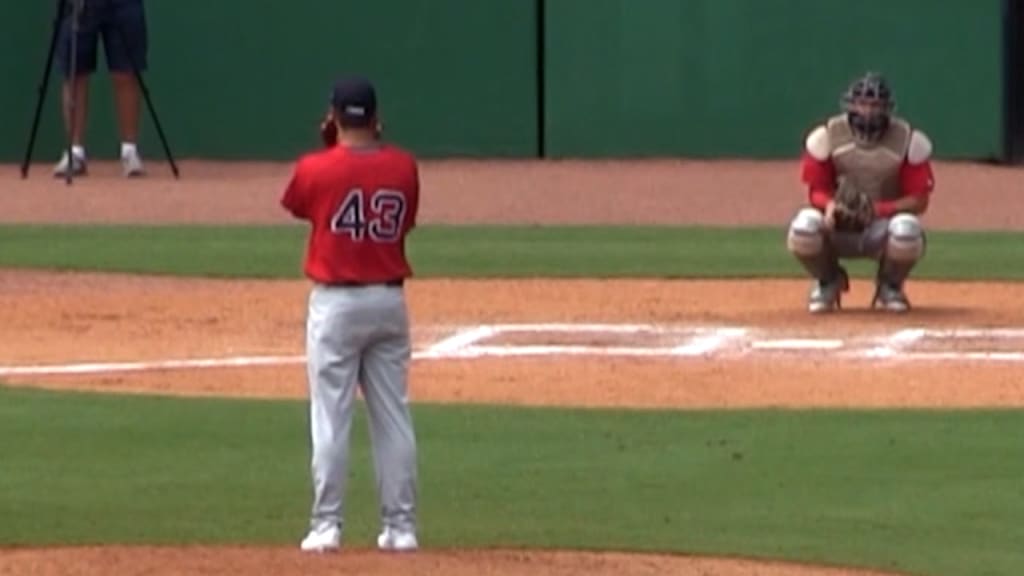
column 128, row 561
column 48, row 318
column 657, row 191
column 58, row 319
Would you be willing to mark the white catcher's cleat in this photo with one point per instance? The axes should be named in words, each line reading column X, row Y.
column 326, row 538
column 890, row 298
column 827, row 294
column 394, row 540
column 822, row 299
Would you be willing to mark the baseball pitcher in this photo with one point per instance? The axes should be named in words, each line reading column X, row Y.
column 361, row 197
column 869, row 180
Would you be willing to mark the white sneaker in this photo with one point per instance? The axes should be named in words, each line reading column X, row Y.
column 131, row 164
column 397, row 540
column 78, row 167
column 326, row 538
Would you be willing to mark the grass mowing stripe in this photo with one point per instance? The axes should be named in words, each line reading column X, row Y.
column 937, row 493
column 259, row 252
column 439, row 251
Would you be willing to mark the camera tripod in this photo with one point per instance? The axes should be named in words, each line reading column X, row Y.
column 73, row 9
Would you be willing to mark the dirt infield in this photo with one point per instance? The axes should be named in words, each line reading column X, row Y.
column 534, row 342
column 612, row 343
column 673, row 192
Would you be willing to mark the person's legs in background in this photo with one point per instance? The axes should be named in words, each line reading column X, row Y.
column 76, row 85
column 126, row 43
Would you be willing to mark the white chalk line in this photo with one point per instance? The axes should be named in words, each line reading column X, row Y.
column 697, row 341
column 895, row 343
column 967, row 333
column 117, row 367
column 585, row 327
column 92, row 368
column 480, row 351
column 969, row 356
column 458, row 341
column 707, row 344
column 797, row 344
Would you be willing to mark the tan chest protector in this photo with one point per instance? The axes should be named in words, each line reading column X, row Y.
column 873, row 168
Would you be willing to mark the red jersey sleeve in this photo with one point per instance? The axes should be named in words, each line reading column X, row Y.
column 917, row 179
column 296, row 197
column 820, row 177
column 820, row 174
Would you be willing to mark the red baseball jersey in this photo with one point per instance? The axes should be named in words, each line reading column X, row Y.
column 361, row 204
column 897, row 167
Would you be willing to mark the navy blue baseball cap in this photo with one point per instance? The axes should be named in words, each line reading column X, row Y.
column 355, row 101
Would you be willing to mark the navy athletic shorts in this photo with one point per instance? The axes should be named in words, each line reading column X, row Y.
column 121, row 24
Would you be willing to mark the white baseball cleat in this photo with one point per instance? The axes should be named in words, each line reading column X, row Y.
column 827, row 294
column 395, row 540
column 326, row 538
column 823, row 299
column 891, row 298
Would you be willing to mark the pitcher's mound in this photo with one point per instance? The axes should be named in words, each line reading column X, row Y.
column 240, row 561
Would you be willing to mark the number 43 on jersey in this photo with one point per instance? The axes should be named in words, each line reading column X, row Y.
column 378, row 217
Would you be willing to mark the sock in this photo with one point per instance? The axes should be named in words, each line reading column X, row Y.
column 128, row 148
column 78, row 150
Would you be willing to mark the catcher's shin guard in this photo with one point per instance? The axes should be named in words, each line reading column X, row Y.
column 806, row 241
column 904, row 248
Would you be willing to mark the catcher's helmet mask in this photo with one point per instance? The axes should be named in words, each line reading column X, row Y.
column 868, row 104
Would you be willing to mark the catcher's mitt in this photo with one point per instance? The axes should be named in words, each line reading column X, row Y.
column 854, row 210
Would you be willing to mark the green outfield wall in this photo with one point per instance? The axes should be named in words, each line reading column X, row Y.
column 747, row 77
column 519, row 78
column 250, row 79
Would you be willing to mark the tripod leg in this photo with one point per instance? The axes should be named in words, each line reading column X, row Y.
column 145, row 94
column 73, row 97
column 43, row 85
column 156, row 121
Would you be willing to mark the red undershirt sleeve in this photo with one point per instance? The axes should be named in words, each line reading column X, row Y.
column 820, row 177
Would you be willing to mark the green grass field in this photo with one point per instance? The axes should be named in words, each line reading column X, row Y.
column 936, row 493
column 276, row 251
column 931, row 492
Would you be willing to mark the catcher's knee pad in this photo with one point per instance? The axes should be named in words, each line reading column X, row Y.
column 906, row 239
column 806, row 233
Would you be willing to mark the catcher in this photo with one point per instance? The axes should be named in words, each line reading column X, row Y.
column 869, row 179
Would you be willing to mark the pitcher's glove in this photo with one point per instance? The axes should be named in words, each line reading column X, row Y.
column 854, row 210
column 328, row 131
